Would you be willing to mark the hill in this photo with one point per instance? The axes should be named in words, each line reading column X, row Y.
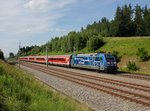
column 127, row 48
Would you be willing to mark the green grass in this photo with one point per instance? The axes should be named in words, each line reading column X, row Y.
column 19, row 91
column 126, row 45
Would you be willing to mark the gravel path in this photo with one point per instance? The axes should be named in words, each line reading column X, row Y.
column 98, row 101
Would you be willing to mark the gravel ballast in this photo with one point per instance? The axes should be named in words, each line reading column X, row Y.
column 97, row 100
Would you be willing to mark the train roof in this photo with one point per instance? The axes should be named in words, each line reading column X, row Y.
column 46, row 56
column 81, row 55
column 93, row 54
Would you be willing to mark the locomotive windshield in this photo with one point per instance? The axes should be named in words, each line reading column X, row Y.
column 109, row 57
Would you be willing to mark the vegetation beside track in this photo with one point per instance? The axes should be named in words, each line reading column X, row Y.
column 127, row 48
column 20, row 92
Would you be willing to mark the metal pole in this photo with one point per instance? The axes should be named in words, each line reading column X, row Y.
column 46, row 56
column 19, row 54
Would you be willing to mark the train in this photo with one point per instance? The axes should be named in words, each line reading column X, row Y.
column 97, row 61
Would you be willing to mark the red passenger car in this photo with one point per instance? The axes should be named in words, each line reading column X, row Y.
column 60, row 60
column 56, row 60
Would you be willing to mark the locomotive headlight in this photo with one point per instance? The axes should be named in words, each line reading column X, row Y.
column 115, row 63
column 108, row 62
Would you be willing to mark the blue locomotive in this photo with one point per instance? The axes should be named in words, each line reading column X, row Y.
column 100, row 61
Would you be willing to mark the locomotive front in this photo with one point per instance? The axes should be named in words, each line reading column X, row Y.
column 110, row 63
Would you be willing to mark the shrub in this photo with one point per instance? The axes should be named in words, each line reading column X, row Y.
column 132, row 66
column 142, row 54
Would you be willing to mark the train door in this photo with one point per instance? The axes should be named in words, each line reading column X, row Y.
column 101, row 63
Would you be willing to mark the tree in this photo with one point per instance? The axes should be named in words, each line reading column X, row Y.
column 80, row 42
column 64, row 47
column 1, row 55
column 11, row 55
column 94, row 43
column 146, row 14
column 126, row 26
column 139, row 21
column 71, row 40
column 35, row 50
column 104, row 27
column 56, row 44
column 113, row 28
column 117, row 21
column 123, row 21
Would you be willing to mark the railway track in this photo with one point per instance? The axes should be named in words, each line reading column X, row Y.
column 86, row 81
column 110, row 81
column 135, row 76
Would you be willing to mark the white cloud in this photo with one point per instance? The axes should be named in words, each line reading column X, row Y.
column 37, row 4
column 18, row 16
column 20, row 19
column 47, row 4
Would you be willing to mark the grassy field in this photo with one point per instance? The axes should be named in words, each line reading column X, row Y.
column 127, row 48
column 126, row 45
column 19, row 91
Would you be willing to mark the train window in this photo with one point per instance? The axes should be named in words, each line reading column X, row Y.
column 85, row 58
column 97, row 59
column 90, row 58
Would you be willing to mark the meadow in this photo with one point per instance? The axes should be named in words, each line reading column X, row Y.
column 126, row 45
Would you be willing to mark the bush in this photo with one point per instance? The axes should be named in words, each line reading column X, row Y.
column 132, row 66
column 142, row 54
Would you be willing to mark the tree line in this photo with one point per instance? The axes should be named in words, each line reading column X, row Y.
column 128, row 21
column 1, row 55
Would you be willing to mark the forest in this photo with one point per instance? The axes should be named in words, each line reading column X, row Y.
column 128, row 21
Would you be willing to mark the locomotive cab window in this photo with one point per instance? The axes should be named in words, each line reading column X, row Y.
column 110, row 59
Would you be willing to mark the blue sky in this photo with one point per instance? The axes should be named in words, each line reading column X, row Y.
column 34, row 22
